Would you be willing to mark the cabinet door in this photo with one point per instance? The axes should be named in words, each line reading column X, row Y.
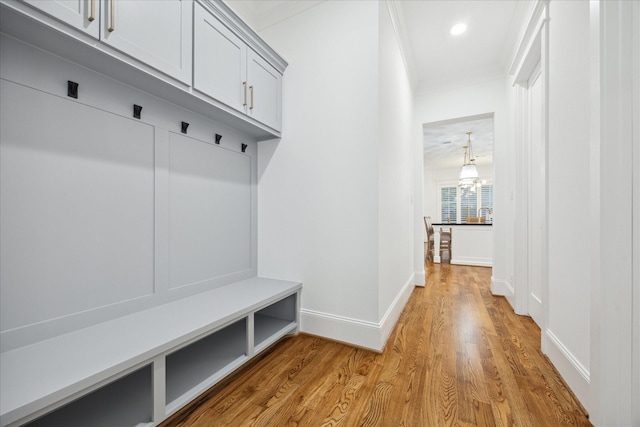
column 265, row 91
column 157, row 33
column 220, row 61
column 80, row 14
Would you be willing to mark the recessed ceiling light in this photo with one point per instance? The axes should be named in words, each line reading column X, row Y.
column 458, row 29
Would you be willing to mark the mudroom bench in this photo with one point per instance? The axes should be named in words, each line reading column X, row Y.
column 138, row 369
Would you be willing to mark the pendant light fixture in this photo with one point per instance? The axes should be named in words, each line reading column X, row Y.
column 468, row 173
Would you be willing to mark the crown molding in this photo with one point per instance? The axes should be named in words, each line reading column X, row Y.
column 283, row 10
column 231, row 20
column 404, row 42
column 538, row 17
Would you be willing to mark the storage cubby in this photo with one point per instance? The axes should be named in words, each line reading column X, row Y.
column 139, row 369
column 274, row 321
column 197, row 366
column 125, row 402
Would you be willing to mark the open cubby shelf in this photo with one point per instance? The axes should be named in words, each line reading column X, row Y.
column 200, row 364
column 125, row 402
column 139, row 369
column 273, row 321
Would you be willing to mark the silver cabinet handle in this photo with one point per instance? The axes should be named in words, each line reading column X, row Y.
column 251, row 89
column 112, row 13
column 92, row 15
column 244, row 84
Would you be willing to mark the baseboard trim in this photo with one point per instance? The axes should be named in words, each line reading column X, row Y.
column 420, row 278
column 339, row 328
column 472, row 262
column 572, row 371
column 466, row 261
column 360, row 333
column 501, row 287
column 390, row 318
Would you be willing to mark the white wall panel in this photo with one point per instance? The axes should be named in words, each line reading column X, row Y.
column 210, row 211
column 77, row 207
column 86, row 199
column 614, row 56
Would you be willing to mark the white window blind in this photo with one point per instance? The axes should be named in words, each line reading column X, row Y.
column 468, row 204
column 448, row 203
column 487, row 196
column 457, row 204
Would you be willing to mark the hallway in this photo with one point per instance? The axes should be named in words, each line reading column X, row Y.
column 458, row 356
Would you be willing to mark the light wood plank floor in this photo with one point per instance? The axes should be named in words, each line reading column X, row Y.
column 457, row 357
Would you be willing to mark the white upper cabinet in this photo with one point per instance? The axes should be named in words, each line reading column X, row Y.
column 81, row 14
column 228, row 70
column 196, row 53
column 157, row 33
column 265, row 91
column 219, row 61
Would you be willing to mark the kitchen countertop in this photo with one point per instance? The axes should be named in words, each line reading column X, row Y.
column 457, row 224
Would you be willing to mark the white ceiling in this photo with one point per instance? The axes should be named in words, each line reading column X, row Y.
column 260, row 14
column 433, row 56
column 436, row 56
column 444, row 141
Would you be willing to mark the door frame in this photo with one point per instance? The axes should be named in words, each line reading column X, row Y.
column 533, row 50
column 615, row 180
column 536, row 241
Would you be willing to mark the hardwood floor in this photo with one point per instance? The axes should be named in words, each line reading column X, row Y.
column 457, row 357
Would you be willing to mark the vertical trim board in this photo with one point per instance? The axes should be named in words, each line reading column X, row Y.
column 572, row 371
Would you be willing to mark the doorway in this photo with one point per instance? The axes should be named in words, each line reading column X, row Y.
column 468, row 209
column 531, row 184
column 536, row 196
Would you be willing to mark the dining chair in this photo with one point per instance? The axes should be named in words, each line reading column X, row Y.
column 430, row 243
column 445, row 243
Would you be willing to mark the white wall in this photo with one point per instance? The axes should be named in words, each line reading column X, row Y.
column 335, row 208
column 470, row 99
column 311, row 143
column 396, row 171
column 569, row 191
column 288, row 169
column 317, row 186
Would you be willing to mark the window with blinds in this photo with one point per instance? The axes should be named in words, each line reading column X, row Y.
column 449, row 204
column 456, row 204
column 468, row 204
column 486, row 199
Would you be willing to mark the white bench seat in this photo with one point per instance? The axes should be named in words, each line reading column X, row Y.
column 40, row 377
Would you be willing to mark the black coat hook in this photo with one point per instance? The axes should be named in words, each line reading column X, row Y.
column 218, row 138
column 185, row 125
column 244, row 147
column 72, row 89
column 137, row 109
